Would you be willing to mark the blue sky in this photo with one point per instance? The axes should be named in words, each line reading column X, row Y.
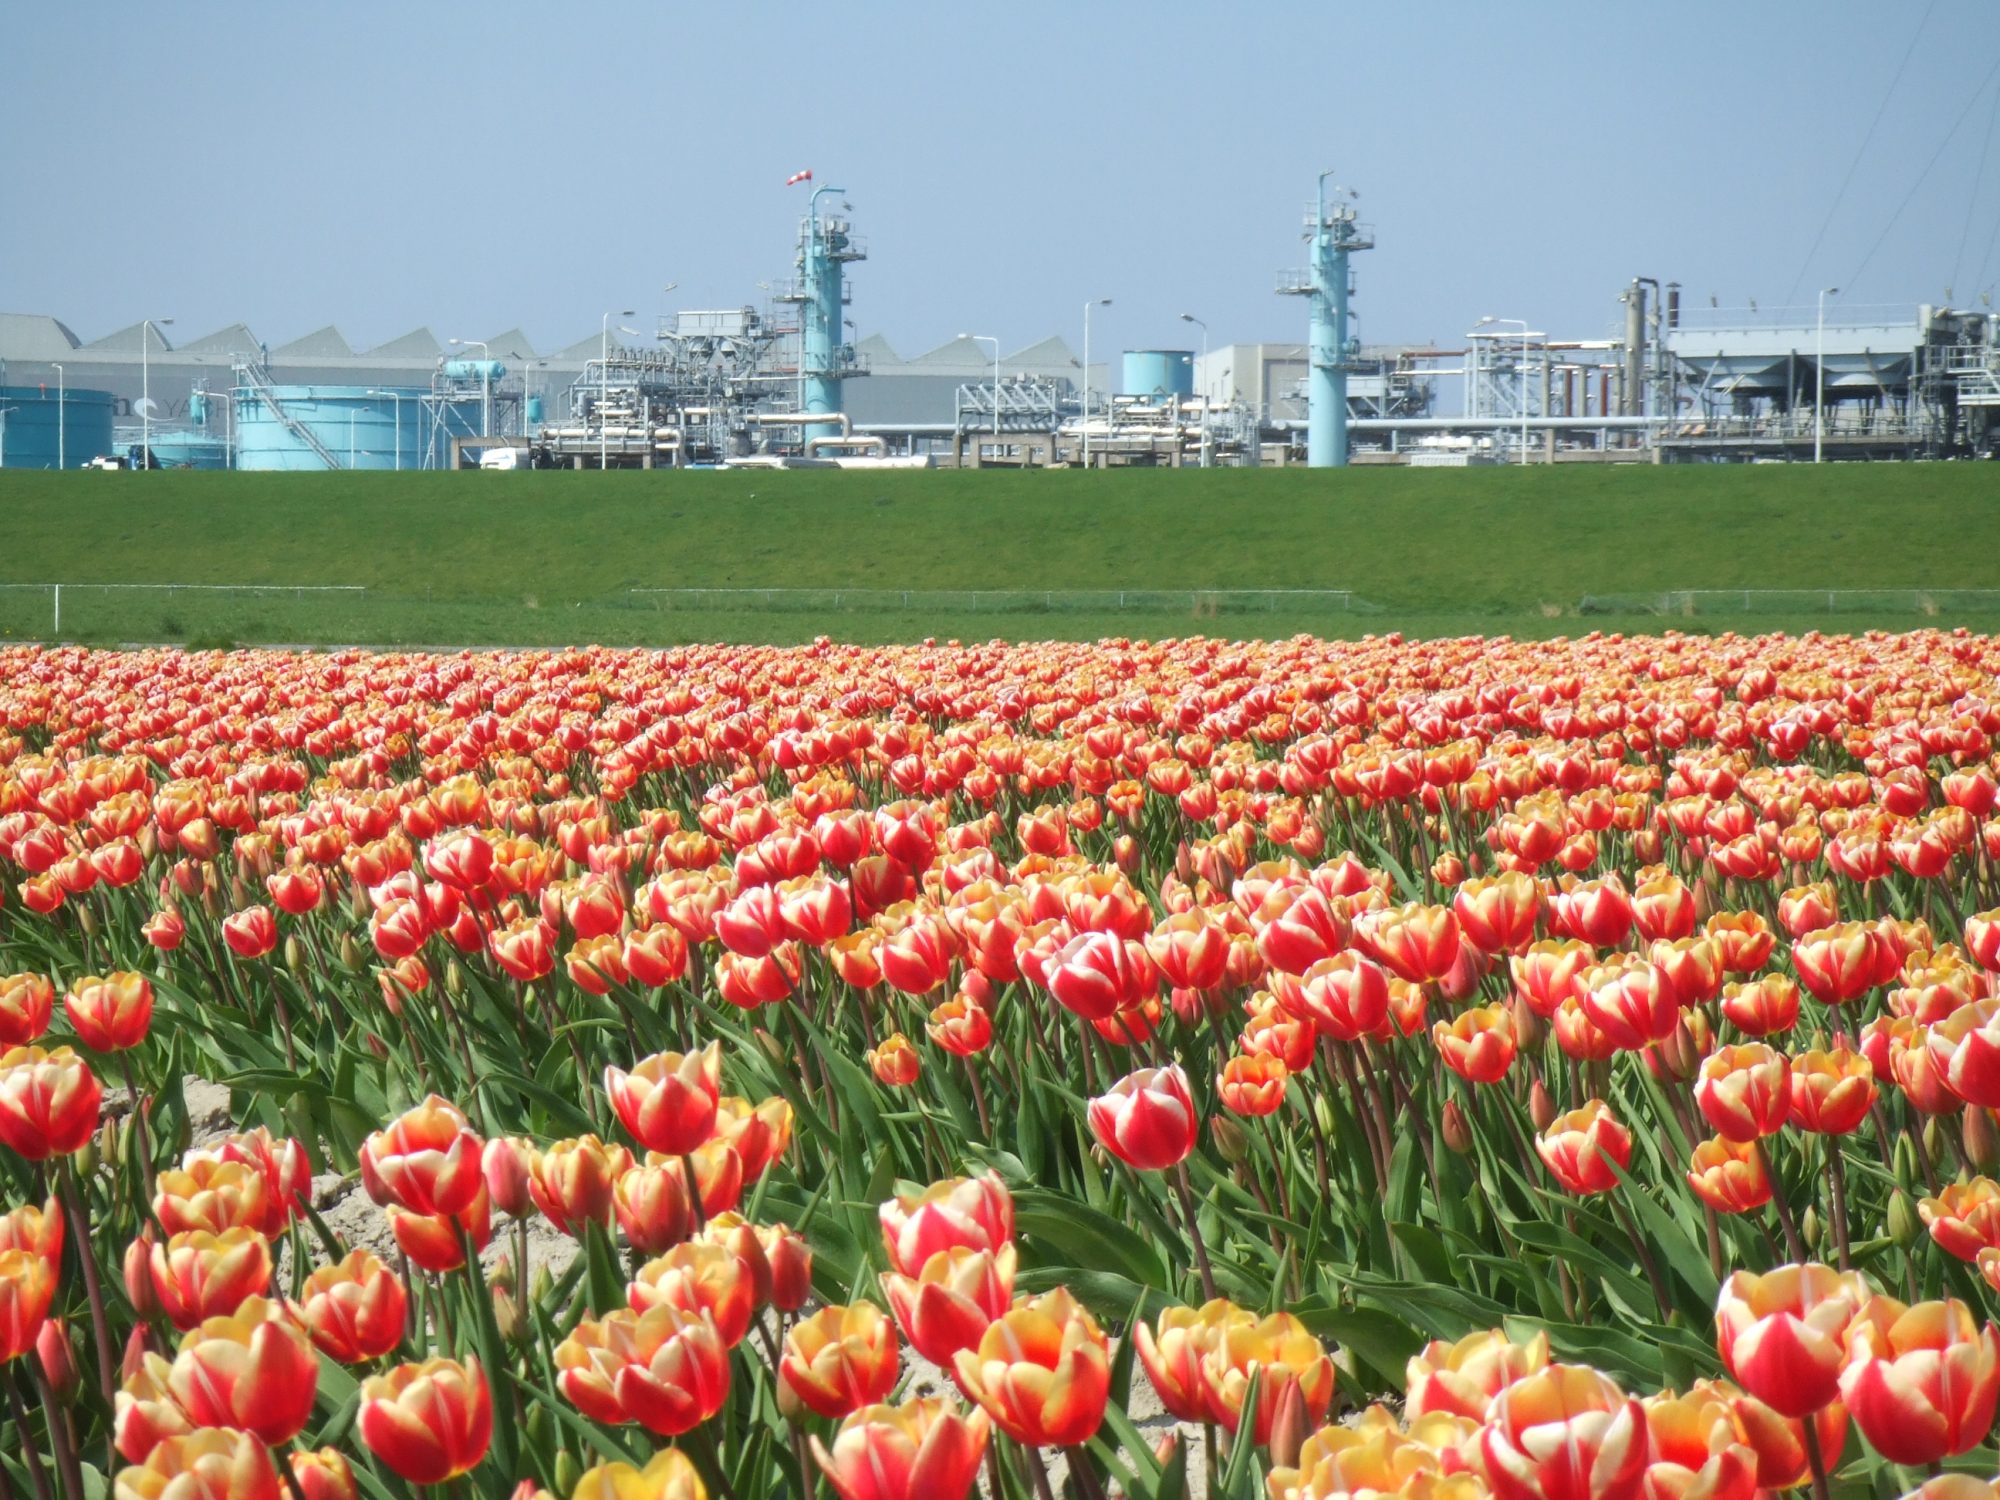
column 472, row 167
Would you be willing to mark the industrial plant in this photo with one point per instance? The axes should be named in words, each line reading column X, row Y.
column 781, row 382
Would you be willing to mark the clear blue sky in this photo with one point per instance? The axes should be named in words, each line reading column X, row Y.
column 362, row 163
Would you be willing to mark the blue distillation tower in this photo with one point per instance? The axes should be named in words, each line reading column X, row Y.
column 826, row 245
column 1334, row 233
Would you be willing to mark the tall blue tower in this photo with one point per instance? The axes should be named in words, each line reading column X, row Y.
column 1334, row 233
column 826, row 245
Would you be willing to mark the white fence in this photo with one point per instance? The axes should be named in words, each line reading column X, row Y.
column 210, row 591
column 1894, row 601
column 1005, row 601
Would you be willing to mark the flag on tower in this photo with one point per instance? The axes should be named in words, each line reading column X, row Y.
column 805, row 176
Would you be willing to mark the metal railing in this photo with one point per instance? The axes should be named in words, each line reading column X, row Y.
column 1926, row 602
column 1007, row 601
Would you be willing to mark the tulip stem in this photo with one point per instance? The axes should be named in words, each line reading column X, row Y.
column 100, row 1324
column 62, row 1437
column 1624, row 1218
column 31, row 1458
column 1194, row 1231
column 1836, row 1173
column 1793, row 1243
column 979, row 1101
column 282, row 1462
column 1816, row 1460
column 1037, row 1473
column 141, row 1136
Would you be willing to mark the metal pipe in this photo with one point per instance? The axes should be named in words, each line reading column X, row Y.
column 879, row 446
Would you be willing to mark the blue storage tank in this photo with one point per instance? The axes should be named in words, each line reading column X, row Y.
column 363, row 427
column 492, row 371
column 180, row 449
column 33, row 422
column 1158, row 373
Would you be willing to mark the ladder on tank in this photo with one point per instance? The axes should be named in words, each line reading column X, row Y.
column 258, row 381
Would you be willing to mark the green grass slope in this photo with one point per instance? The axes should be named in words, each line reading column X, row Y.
column 502, row 556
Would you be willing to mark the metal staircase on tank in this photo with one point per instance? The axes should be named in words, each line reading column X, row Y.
column 258, row 381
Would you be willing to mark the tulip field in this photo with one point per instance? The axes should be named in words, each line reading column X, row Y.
column 1302, row 1069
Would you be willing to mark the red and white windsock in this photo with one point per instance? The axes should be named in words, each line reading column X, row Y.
column 805, row 176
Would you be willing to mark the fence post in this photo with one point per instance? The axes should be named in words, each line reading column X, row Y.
column 57, row 632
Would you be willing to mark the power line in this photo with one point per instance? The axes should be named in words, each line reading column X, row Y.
column 1977, row 95
column 1972, row 198
column 1791, row 297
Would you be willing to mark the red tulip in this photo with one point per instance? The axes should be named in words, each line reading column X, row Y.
column 428, row 1422
column 668, row 1102
column 921, row 1450
column 251, row 1369
column 48, row 1102
column 250, row 933
column 1921, row 1381
column 1581, row 1148
column 1146, row 1120
column 1565, row 1433
column 1780, row 1334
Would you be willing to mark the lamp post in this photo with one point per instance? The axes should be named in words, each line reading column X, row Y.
column 485, row 384
column 1098, row 302
column 146, row 385
column 604, row 387
column 1191, row 318
column 980, row 338
column 1508, row 322
column 62, row 421
column 1819, row 369
column 3, row 433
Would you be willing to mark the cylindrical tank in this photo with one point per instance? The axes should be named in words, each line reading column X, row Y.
column 180, row 449
column 490, row 370
column 362, row 427
column 33, row 423
column 534, row 411
column 1158, row 373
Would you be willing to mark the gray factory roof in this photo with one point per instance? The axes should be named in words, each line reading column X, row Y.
column 34, row 336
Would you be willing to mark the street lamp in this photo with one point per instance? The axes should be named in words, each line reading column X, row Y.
column 1819, row 369
column 1099, row 302
column 1191, row 318
column 485, row 385
column 604, row 385
column 146, row 385
column 62, row 421
column 980, row 338
column 3, row 433
column 1524, row 377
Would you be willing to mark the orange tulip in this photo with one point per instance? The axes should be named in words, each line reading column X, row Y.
column 1042, row 1372
column 1460, row 1379
column 839, row 1360
column 572, row 1182
column 1284, row 1357
column 1564, row 1433
column 251, row 1369
column 353, row 1310
column 921, row 1450
column 662, row 1368
column 669, row 1475
column 950, row 1304
column 668, row 1102
column 324, row 1474
column 1780, row 1334
column 48, row 1102
column 1580, row 1148
column 1694, row 1450
column 198, row 1275
column 27, row 1286
column 1729, row 1176
column 895, row 1062
column 110, row 1014
column 1965, row 1052
column 700, row 1278
column 428, row 1422
column 208, row 1463
column 1762, row 1007
column 1964, row 1218
column 1921, row 1381
column 1745, row 1092
column 1832, row 1092
column 426, row 1162
column 1478, row 1043
column 26, row 1003
column 653, row 1206
column 976, row 1212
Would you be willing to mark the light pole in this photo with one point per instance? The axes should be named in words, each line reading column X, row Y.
column 62, row 421
column 397, row 397
column 485, row 384
column 980, row 338
column 1524, row 376
column 1191, row 318
column 1099, row 302
column 3, row 433
column 1819, row 369
column 604, row 388
column 146, row 385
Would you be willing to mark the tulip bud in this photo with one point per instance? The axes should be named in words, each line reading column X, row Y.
column 568, row 1472
column 773, row 1048
column 211, row 902
column 1679, row 1057
column 1811, row 1230
column 1288, row 1426
column 542, row 1289
column 1231, row 1140
column 1933, row 1138
column 1541, row 1108
column 1906, row 1161
column 1168, row 1448
column 1125, row 850
column 1456, row 1131
column 110, row 1142
column 91, row 1157
column 87, row 920
column 1323, row 1113
column 454, row 979
column 351, row 957
column 1529, row 1028
column 1905, row 1228
column 58, row 1359
column 1982, row 1139
column 139, row 1280
column 295, row 953
column 507, row 1315
column 137, row 1347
